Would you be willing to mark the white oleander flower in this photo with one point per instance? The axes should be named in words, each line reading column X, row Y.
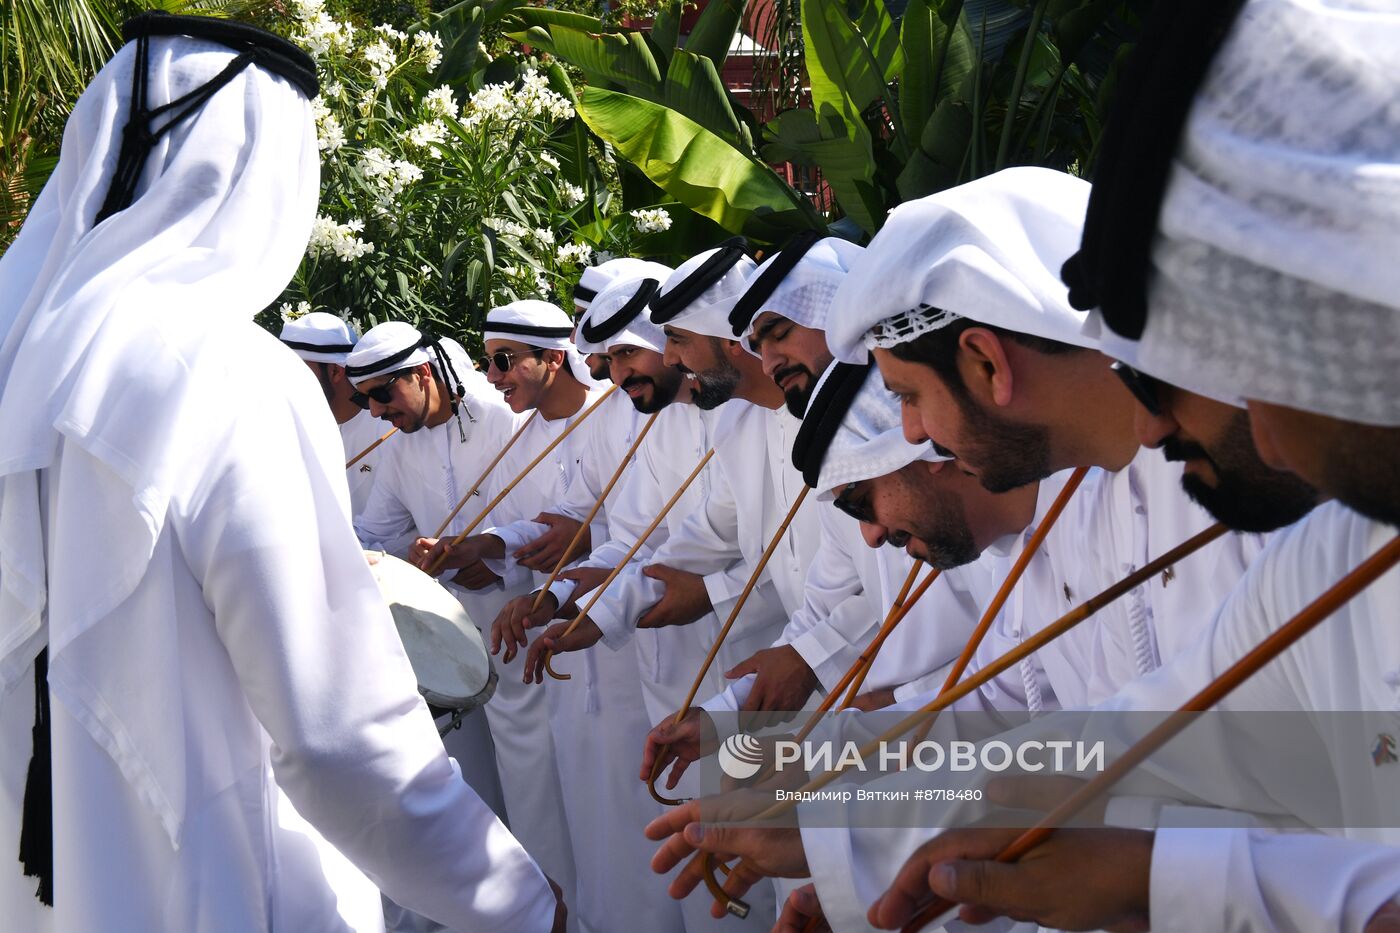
column 543, row 236
column 548, row 159
column 509, row 228
column 429, row 46
column 290, row 312
column 380, row 57
column 334, row 91
column 427, row 136
column 651, row 220
column 440, row 102
column 579, row 253
column 570, row 195
column 340, row 239
column 389, row 32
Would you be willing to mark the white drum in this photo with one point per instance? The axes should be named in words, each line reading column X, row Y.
column 449, row 659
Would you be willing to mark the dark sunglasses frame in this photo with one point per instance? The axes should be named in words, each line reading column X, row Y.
column 1146, row 389
column 857, row 510
column 380, row 393
column 487, row 361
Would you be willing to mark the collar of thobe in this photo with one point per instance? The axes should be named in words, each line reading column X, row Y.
column 1259, row 259
column 112, row 313
column 699, row 295
column 596, row 278
column 988, row 251
column 798, row 283
column 852, row 431
column 619, row 316
column 319, row 337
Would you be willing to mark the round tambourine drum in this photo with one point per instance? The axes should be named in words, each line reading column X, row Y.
column 449, row 659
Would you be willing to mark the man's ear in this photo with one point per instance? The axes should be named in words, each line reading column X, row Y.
column 734, row 349
column 985, row 366
column 925, row 469
column 554, row 360
column 336, row 374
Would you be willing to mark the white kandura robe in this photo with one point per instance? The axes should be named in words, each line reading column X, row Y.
column 752, row 488
column 252, row 666
column 1131, row 516
column 597, row 719
column 357, row 435
column 850, row 587
column 668, row 657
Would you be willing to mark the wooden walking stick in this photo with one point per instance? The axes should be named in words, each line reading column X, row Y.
column 861, row 669
column 622, row 564
column 370, row 449
column 578, row 535
column 724, row 633
column 442, row 558
column 925, row 716
column 485, row 473
column 1261, row 654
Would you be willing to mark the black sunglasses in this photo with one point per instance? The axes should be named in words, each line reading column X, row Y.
column 379, row 393
column 857, row 510
column 503, row 360
column 1146, row 389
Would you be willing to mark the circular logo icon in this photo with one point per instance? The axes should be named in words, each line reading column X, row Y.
column 741, row 756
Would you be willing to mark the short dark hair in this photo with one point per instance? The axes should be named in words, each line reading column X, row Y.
column 938, row 349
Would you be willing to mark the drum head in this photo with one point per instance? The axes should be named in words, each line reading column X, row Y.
column 448, row 656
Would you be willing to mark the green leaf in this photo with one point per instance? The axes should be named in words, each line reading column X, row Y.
column 666, row 28
column 525, row 17
column 839, row 64
column 846, row 159
column 694, row 88
column 461, row 33
column 690, row 163
column 938, row 58
column 715, row 29
column 942, row 148
column 616, row 58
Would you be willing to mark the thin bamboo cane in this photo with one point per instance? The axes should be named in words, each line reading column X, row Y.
column 1279, row 641
column 442, row 558
column 485, row 473
column 622, row 564
column 370, row 449
column 861, row 669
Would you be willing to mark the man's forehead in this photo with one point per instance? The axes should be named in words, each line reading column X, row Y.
column 497, row 344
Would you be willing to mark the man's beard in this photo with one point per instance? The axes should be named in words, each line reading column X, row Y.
column 1004, row 454
column 943, row 539
column 1248, row 494
column 799, row 394
column 662, row 393
column 714, row 387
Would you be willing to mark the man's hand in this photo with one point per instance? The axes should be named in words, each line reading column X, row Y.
column 783, row 682
column 767, row 852
column 554, row 640
column 799, row 910
column 875, row 699
column 543, row 553
column 684, row 602
column 683, row 742
column 586, row 579
column 475, row 576
column 512, row 621
column 1078, row 879
column 426, row 552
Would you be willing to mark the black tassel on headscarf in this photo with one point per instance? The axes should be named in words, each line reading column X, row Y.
column 1158, row 85
column 36, row 833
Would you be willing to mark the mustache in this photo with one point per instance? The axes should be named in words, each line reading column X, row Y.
column 786, row 371
column 685, row 369
column 1179, row 450
column 633, row 381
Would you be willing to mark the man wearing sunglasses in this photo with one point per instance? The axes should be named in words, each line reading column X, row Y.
column 324, row 341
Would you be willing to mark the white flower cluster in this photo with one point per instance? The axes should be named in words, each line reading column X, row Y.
column 290, row 312
column 579, row 253
column 502, row 103
column 317, row 32
column 428, row 136
column 428, row 45
column 509, row 228
column 341, row 239
column 330, row 135
column 570, row 195
column 651, row 220
column 527, row 279
column 548, row 159
column 381, row 60
column 389, row 176
column 440, row 103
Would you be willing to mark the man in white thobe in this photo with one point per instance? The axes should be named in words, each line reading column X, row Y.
column 323, row 341
column 597, row 717
column 182, row 557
